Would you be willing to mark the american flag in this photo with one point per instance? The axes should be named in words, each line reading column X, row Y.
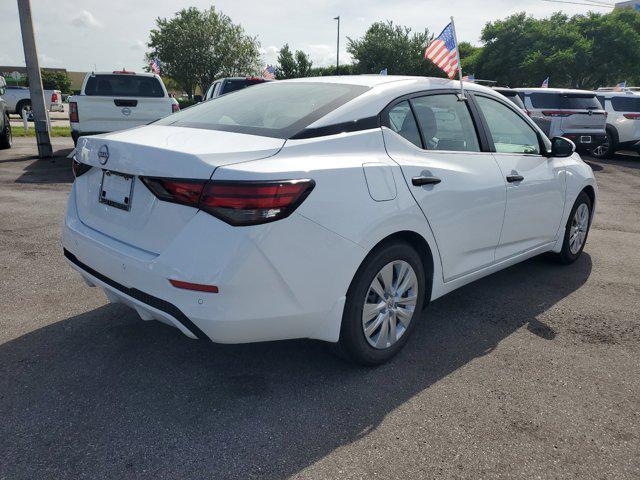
column 545, row 84
column 155, row 66
column 443, row 51
column 269, row 72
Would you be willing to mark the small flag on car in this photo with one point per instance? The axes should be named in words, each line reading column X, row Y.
column 443, row 51
column 469, row 78
column 620, row 87
column 155, row 66
column 545, row 84
column 269, row 73
column 383, row 71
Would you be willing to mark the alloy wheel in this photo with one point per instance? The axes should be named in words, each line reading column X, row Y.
column 579, row 228
column 389, row 305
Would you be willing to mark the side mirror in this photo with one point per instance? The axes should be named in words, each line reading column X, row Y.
column 562, row 147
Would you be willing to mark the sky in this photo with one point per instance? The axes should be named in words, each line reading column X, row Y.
column 83, row 35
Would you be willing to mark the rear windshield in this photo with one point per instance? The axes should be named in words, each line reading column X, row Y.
column 123, row 86
column 626, row 104
column 513, row 96
column 272, row 109
column 570, row 101
column 238, row 84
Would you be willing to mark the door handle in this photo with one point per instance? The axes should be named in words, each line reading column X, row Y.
column 419, row 181
column 514, row 178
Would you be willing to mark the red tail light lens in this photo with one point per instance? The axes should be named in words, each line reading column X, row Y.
column 54, row 97
column 556, row 113
column 632, row 116
column 237, row 203
column 175, row 107
column 73, row 112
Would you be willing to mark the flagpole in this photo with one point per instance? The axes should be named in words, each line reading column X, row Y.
column 455, row 36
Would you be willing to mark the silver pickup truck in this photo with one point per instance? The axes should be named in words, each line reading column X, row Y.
column 19, row 98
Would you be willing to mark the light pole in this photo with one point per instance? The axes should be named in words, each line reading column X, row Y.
column 338, row 47
column 36, row 92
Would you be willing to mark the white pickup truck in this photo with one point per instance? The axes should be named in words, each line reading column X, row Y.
column 19, row 98
column 111, row 101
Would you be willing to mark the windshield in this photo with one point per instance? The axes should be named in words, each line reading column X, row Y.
column 568, row 101
column 233, row 85
column 123, row 86
column 272, row 109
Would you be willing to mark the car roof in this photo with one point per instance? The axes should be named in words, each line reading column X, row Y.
column 124, row 72
column 555, row 90
column 382, row 90
column 608, row 94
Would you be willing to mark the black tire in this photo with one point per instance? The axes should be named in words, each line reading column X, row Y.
column 566, row 256
column 23, row 104
column 6, row 137
column 353, row 344
column 605, row 150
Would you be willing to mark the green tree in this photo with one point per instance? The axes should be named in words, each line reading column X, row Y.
column 292, row 65
column 396, row 48
column 196, row 47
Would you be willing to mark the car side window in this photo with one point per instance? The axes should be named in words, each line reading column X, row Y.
column 510, row 132
column 446, row 123
column 402, row 122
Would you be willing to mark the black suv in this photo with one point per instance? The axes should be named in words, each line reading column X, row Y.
column 5, row 126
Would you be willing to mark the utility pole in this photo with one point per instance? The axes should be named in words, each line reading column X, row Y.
column 38, row 106
column 338, row 47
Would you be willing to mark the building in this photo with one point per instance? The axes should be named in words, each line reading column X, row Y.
column 13, row 74
column 631, row 4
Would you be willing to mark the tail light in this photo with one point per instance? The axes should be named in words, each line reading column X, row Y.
column 175, row 107
column 632, row 116
column 73, row 112
column 237, row 203
column 556, row 113
column 79, row 168
column 54, row 97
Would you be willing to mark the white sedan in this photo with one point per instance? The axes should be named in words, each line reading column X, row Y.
column 330, row 208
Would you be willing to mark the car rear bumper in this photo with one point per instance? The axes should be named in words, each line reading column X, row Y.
column 288, row 281
column 56, row 107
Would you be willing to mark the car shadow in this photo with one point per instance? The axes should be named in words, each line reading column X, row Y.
column 105, row 394
column 47, row 171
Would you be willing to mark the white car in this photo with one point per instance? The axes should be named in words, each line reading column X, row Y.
column 112, row 101
column 623, row 122
column 574, row 114
column 19, row 99
column 331, row 208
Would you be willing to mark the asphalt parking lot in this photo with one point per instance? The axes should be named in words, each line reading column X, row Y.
column 533, row 372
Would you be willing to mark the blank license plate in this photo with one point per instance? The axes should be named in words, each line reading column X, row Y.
column 585, row 139
column 116, row 189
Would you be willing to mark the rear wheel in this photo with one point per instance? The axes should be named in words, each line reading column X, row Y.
column 6, row 137
column 384, row 303
column 577, row 230
column 23, row 105
column 606, row 149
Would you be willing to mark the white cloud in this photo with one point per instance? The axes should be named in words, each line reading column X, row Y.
column 85, row 19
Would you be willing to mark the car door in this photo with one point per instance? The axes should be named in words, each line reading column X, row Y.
column 459, row 187
column 535, row 183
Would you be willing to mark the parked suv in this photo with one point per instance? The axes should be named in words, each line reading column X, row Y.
column 19, row 99
column 231, row 84
column 574, row 114
column 5, row 126
column 623, row 122
column 513, row 95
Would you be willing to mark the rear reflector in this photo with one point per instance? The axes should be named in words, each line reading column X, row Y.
column 632, row 116
column 73, row 112
column 238, row 203
column 198, row 287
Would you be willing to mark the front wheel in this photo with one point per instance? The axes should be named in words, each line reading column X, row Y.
column 577, row 230
column 383, row 305
column 6, row 137
column 606, row 149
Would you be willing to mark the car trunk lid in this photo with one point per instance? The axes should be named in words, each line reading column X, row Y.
column 121, row 158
